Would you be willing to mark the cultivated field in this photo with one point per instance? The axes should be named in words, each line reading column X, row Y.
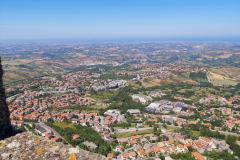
column 224, row 77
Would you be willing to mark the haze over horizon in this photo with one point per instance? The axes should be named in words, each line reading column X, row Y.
column 132, row 20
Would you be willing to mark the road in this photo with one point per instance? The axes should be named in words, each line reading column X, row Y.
column 48, row 129
column 132, row 129
column 140, row 129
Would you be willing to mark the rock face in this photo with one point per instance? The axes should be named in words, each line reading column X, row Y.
column 5, row 124
column 30, row 147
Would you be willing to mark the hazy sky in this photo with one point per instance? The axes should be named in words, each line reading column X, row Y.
column 118, row 18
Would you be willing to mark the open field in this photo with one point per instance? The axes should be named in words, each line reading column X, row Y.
column 231, row 73
column 227, row 82
column 151, row 83
column 192, row 81
column 195, row 133
column 99, row 106
column 217, row 78
column 101, row 95
column 129, row 134
column 64, row 125
column 23, row 60
column 12, row 63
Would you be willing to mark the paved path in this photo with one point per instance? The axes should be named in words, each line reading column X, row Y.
column 50, row 129
column 132, row 129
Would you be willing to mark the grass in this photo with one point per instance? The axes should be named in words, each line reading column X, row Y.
column 225, row 81
column 98, row 106
column 12, row 63
column 195, row 133
column 135, row 85
column 129, row 134
column 202, row 80
column 172, row 127
column 101, row 95
column 64, row 125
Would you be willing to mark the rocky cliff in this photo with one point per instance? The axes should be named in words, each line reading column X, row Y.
column 5, row 124
column 30, row 147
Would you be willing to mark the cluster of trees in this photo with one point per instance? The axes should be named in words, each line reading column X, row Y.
column 86, row 134
column 123, row 125
column 199, row 75
column 123, row 102
column 225, row 155
column 185, row 156
column 208, row 133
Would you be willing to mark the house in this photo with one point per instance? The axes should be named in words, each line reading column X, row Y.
column 110, row 141
column 173, row 149
column 40, row 129
column 75, row 120
column 132, row 155
column 83, row 122
column 165, row 150
column 54, row 138
column 138, row 148
column 119, row 148
column 90, row 145
column 48, row 135
column 169, row 143
column 107, row 136
column 149, row 150
column 142, row 154
column 143, row 140
column 100, row 128
column 133, row 142
column 153, row 139
column 139, row 125
column 156, row 149
column 198, row 156
column 136, row 137
column 163, row 130
column 160, row 144
column 138, row 119
column 109, row 155
column 123, row 140
column 76, row 137
column 189, row 141
column 134, row 111
column 181, row 148
column 124, row 156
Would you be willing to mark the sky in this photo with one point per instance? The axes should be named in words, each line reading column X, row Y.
column 111, row 19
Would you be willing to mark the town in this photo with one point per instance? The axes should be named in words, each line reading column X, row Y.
column 157, row 124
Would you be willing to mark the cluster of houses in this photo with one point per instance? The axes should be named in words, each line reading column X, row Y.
column 146, row 146
column 221, row 100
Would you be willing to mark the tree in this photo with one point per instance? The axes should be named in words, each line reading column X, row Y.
column 162, row 157
column 154, row 128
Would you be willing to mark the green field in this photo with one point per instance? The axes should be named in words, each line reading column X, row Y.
column 195, row 133
column 225, row 81
column 64, row 125
column 202, row 81
column 101, row 95
column 129, row 134
column 12, row 63
column 98, row 106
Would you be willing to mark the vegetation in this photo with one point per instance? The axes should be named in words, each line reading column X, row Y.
column 86, row 134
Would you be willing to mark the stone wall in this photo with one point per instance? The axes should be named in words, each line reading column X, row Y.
column 30, row 147
column 5, row 123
